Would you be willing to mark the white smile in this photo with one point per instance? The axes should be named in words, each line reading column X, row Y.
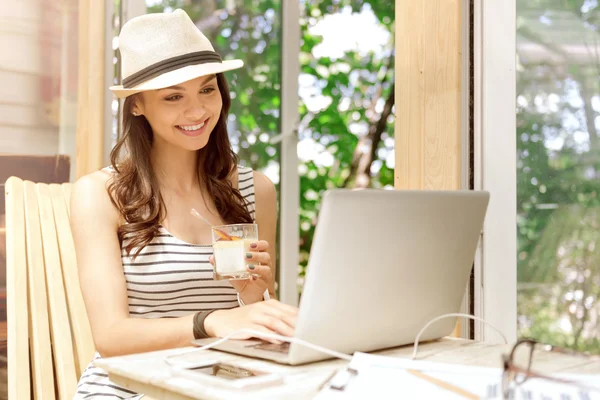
column 191, row 128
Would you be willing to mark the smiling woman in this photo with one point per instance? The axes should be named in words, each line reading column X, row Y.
column 144, row 265
column 163, row 119
column 191, row 108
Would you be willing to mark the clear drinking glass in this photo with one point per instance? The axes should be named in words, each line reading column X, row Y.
column 230, row 245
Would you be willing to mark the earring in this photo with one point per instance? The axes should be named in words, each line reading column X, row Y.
column 135, row 114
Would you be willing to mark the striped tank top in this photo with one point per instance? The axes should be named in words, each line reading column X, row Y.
column 169, row 278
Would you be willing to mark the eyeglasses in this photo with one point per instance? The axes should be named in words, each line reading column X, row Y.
column 518, row 372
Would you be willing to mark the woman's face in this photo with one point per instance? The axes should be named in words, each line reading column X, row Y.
column 183, row 115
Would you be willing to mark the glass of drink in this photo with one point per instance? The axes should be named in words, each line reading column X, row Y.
column 230, row 245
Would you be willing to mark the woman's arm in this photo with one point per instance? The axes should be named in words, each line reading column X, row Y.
column 94, row 223
column 266, row 218
column 262, row 253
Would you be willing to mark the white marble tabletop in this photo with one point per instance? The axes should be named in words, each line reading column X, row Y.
column 150, row 374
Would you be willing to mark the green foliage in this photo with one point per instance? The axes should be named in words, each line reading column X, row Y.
column 557, row 173
column 353, row 83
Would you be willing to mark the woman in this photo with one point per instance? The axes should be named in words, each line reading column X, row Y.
column 143, row 261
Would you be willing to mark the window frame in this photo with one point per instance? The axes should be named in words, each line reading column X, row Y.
column 289, row 200
column 495, row 166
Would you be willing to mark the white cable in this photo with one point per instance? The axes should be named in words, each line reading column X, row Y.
column 258, row 334
column 414, row 355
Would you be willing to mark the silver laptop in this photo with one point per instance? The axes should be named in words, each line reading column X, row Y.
column 382, row 264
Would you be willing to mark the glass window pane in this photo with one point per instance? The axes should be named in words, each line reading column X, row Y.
column 558, row 161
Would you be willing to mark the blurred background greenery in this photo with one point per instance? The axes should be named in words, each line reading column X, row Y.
column 558, row 122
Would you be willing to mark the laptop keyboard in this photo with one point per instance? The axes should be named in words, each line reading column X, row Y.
column 279, row 348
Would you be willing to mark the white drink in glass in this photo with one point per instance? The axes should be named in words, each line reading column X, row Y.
column 230, row 253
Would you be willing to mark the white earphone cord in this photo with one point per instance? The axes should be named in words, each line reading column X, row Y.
column 315, row 347
column 414, row 355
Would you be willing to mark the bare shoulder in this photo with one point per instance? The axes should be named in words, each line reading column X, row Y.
column 90, row 187
column 89, row 194
column 265, row 197
column 264, row 189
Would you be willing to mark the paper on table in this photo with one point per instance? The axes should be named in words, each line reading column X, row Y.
column 386, row 377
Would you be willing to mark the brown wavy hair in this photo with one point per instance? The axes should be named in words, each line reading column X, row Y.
column 134, row 189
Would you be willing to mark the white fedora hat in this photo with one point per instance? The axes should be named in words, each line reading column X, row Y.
column 162, row 50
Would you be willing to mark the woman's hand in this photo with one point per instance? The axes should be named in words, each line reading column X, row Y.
column 269, row 316
column 258, row 262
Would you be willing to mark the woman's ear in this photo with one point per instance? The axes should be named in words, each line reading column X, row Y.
column 138, row 107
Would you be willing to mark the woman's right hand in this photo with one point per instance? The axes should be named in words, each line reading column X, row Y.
column 269, row 316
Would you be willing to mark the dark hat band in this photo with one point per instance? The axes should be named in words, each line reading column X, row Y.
column 170, row 64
